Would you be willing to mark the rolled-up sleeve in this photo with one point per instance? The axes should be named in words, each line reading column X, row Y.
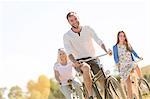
column 67, row 44
column 95, row 37
column 115, row 54
column 55, row 66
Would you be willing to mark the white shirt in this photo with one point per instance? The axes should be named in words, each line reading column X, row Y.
column 81, row 46
column 66, row 72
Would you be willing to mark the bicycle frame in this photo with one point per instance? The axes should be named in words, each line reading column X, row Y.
column 106, row 79
column 73, row 90
column 134, row 78
column 92, row 58
column 97, row 76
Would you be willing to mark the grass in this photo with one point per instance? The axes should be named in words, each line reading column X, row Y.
column 146, row 96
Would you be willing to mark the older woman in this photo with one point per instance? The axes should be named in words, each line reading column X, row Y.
column 64, row 72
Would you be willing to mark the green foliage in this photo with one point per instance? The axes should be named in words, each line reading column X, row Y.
column 147, row 77
column 146, row 72
column 2, row 90
column 55, row 92
column 16, row 92
column 118, row 78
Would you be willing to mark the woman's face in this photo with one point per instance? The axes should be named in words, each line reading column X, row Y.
column 62, row 56
column 122, row 37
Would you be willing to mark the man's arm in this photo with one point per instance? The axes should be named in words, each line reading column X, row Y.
column 76, row 63
column 68, row 47
column 104, row 48
column 99, row 41
column 71, row 57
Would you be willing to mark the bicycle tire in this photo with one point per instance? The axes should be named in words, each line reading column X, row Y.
column 140, row 94
column 96, row 91
column 146, row 90
column 114, row 86
column 108, row 94
column 85, row 93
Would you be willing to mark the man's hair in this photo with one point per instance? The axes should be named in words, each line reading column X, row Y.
column 71, row 14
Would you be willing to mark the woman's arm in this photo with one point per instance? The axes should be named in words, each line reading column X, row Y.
column 116, row 57
column 135, row 54
column 115, row 54
column 57, row 76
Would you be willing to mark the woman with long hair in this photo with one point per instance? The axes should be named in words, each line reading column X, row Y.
column 123, row 56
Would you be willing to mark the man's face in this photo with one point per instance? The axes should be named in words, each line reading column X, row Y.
column 73, row 21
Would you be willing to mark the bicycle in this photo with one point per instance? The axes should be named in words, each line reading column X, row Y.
column 82, row 88
column 112, row 88
column 141, row 84
column 94, row 86
column 72, row 89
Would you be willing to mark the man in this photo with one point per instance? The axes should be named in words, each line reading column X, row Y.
column 78, row 44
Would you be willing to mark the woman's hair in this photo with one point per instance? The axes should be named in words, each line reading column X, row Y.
column 129, row 48
column 58, row 54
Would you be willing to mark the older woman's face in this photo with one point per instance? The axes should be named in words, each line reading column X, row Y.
column 62, row 55
column 121, row 37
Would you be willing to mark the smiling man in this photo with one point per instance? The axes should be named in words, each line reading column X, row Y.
column 78, row 44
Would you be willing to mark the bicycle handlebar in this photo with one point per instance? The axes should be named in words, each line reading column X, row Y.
column 138, row 60
column 92, row 58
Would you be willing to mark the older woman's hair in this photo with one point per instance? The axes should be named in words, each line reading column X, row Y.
column 58, row 54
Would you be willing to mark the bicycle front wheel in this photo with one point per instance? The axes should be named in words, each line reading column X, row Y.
column 96, row 91
column 85, row 93
column 114, row 88
column 144, row 87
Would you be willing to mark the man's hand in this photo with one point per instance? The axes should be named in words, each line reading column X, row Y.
column 109, row 52
column 77, row 64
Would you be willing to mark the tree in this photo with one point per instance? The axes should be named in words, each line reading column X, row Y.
column 39, row 89
column 16, row 92
column 55, row 92
column 2, row 90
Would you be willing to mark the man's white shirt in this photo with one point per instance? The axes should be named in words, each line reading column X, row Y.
column 81, row 46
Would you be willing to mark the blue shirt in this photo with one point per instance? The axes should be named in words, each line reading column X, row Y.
column 116, row 57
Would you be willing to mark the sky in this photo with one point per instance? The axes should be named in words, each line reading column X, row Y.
column 31, row 32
